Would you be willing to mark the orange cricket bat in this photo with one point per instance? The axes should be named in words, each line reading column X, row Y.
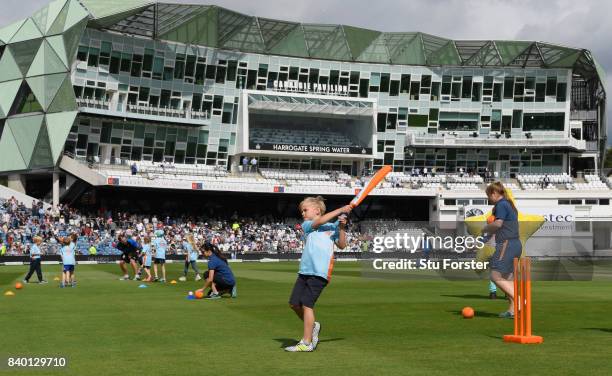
column 377, row 178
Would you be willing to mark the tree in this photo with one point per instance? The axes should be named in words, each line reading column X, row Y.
column 608, row 162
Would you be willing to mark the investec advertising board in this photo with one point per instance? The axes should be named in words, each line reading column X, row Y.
column 556, row 237
column 559, row 220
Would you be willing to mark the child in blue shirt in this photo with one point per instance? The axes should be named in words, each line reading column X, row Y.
column 35, row 261
column 68, row 260
column 316, row 265
column 160, row 245
column 147, row 257
column 191, row 257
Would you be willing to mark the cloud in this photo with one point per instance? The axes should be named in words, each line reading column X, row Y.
column 582, row 24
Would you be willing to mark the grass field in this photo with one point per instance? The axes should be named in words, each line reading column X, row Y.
column 110, row 327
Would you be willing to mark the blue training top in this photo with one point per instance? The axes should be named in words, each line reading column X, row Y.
column 146, row 249
column 35, row 252
column 67, row 253
column 318, row 254
column 220, row 267
column 193, row 253
column 160, row 245
column 503, row 210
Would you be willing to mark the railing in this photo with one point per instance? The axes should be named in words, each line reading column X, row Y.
column 145, row 109
column 584, row 115
column 501, row 141
column 93, row 103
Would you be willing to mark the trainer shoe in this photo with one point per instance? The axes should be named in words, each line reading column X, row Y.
column 506, row 315
column 316, row 329
column 198, row 277
column 163, row 280
column 213, row 296
column 300, row 347
column 234, row 292
column 43, row 281
column 62, row 285
column 492, row 295
column 25, row 281
column 125, row 278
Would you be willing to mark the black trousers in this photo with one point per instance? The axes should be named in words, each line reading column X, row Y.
column 35, row 266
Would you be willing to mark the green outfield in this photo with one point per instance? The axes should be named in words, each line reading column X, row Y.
column 370, row 326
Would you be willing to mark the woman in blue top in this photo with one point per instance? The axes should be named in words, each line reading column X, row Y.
column 219, row 276
column 507, row 243
column 35, row 261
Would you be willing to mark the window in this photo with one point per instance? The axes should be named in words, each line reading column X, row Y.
column 414, row 90
column 405, row 84
column 147, row 62
column 551, row 86
column 561, row 92
column 517, row 117
column 384, row 82
column 466, row 91
column 417, row 120
column 476, row 91
column 497, row 92
column 508, row 88
column 458, row 121
column 496, row 120
column 115, row 62
column 549, row 121
column 92, row 61
column 82, row 54
column 126, row 61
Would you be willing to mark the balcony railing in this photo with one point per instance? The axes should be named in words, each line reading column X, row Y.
column 493, row 141
column 144, row 109
column 584, row 115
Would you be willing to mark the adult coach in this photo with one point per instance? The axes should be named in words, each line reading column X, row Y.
column 129, row 255
column 219, row 276
column 507, row 243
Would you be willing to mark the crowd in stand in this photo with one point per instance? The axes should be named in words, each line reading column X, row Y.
column 97, row 232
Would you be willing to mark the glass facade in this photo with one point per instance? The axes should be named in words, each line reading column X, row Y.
column 410, row 99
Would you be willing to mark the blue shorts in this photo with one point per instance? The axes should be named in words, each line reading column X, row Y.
column 503, row 259
column 68, row 268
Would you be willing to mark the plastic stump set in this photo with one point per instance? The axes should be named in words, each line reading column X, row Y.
column 522, row 304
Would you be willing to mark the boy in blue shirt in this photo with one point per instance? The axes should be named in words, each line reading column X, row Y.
column 68, row 260
column 316, row 265
column 160, row 245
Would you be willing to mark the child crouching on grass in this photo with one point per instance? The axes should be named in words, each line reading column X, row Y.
column 68, row 261
column 316, row 265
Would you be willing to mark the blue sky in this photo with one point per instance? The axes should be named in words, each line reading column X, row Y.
column 580, row 24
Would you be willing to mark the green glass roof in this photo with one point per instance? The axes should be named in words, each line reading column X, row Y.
column 214, row 26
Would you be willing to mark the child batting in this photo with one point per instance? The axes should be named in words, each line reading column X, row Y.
column 316, row 265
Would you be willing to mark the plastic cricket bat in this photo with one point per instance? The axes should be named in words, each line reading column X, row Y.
column 377, row 178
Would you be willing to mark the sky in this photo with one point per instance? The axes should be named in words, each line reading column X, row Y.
column 579, row 24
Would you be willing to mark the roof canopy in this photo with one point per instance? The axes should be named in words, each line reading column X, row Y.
column 222, row 28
